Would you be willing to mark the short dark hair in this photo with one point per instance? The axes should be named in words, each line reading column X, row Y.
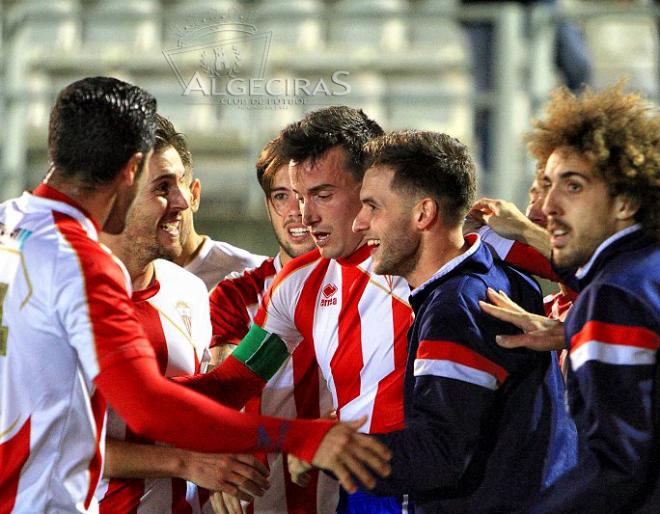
column 427, row 163
column 270, row 160
column 96, row 125
column 618, row 132
column 326, row 128
column 167, row 136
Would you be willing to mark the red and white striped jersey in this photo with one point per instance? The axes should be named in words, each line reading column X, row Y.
column 52, row 428
column 296, row 390
column 216, row 259
column 174, row 313
column 355, row 323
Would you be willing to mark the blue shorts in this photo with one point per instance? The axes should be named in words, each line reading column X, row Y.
column 364, row 503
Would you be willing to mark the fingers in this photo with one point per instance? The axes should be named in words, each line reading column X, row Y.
column 299, row 470
column 251, row 460
column 505, row 314
column 540, row 340
column 502, row 300
column 356, row 423
column 351, row 455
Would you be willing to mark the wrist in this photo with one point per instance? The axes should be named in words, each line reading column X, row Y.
column 538, row 238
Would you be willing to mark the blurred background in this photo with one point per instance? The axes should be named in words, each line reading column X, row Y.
column 231, row 73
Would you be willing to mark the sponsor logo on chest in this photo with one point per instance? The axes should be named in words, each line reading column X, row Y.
column 328, row 295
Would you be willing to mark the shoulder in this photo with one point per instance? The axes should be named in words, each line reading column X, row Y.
column 171, row 275
column 231, row 253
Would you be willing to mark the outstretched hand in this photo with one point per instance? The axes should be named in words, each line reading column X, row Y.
column 351, row 455
column 540, row 333
column 242, row 476
column 502, row 216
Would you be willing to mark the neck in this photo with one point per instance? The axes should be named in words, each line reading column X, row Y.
column 141, row 272
column 190, row 248
column 437, row 250
column 285, row 258
column 98, row 202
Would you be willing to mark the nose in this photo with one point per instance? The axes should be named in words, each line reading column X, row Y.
column 310, row 216
column 535, row 211
column 551, row 205
column 178, row 201
column 292, row 208
column 360, row 223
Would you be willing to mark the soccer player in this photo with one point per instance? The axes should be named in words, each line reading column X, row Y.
column 70, row 340
column 602, row 172
column 354, row 321
column 172, row 306
column 485, row 427
column 294, row 391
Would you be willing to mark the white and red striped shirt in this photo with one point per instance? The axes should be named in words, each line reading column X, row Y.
column 52, row 418
column 355, row 323
column 296, row 390
column 174, row 313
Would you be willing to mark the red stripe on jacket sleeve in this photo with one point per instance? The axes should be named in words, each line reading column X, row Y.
column 610, row 333
column 453, row 352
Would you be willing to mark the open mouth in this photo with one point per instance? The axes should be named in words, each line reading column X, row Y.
column 320, row 238
column 298, row 233
column 171, row 228
column 374, row 244
column 558, row 235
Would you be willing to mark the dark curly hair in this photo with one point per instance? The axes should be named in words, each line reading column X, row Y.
column 95, row 127
column 618, row 132
column 427, row 163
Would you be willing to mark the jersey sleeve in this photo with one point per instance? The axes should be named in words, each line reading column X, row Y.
column 230, row 302
column 92, row 304
column 457, row 364
column 613, row 396
column 519, row 254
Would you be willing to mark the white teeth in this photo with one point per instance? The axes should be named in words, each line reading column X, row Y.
column 298, row 232
column 321, row 237
column 373, row 242
column 171, row 227
column 559, row 232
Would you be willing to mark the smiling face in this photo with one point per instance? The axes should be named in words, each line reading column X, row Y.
column 284, row 213
column 386, row 222
column 580, row 211
column 329, row 199
column 155, row 225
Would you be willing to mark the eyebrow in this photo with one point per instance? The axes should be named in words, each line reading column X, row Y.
column 321, row 187
column 168, row 174
column 570, row 174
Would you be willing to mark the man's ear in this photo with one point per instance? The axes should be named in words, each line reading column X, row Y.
column 195, row 194
column 626, row 207
column 129, row 173
column 425, row 212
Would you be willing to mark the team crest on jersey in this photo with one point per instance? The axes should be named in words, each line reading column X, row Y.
column 186, row 315
column 329, row 297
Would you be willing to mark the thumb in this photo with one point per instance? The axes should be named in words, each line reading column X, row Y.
column 357, row 423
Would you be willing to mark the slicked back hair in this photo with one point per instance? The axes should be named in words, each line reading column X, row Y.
column 427, row 163
column 166, row 137
column 96, row 125
column 321, row 130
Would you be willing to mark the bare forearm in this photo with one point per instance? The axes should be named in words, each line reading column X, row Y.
column 536, row 237
column 133, row 460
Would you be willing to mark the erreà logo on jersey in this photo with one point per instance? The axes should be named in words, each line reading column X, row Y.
column 329, row 298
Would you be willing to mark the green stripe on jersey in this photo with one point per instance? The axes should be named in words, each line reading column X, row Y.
column 262, row 352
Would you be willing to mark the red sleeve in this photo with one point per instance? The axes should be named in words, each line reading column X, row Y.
column 232, row 383
column 129, row 379
column 230, row 300
column 157, row 408
column 531, row 260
